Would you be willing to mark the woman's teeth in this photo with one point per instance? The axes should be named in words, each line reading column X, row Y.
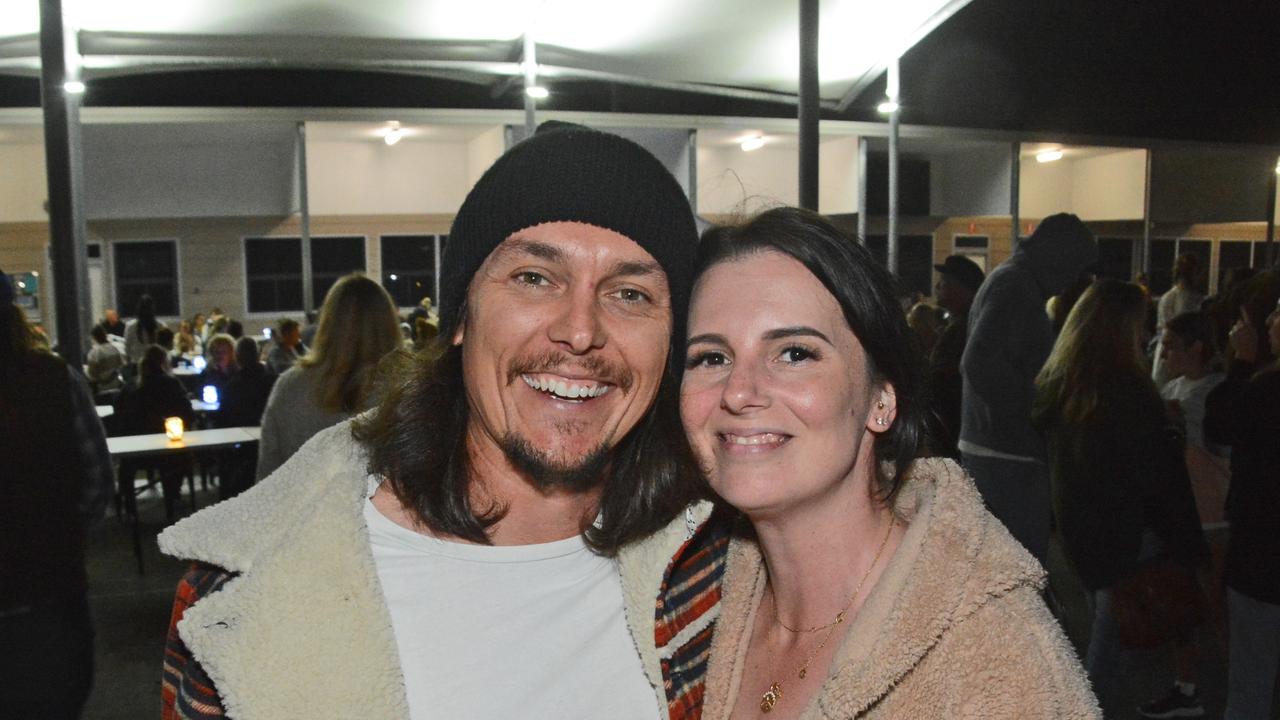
column 568, row 391
column 760, row 439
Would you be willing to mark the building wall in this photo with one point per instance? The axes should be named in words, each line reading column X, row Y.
column 372, row 178
column 1099, row 187
column 23, row 183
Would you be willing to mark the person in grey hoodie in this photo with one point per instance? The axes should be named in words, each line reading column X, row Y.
column 1010, row 337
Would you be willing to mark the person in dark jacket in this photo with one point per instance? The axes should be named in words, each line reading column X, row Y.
column 1244, row 412
column 142, row 409
column 56, row 479
column 1119, row 485
column 958, row 281
column 243, row 400
column 1009, row 338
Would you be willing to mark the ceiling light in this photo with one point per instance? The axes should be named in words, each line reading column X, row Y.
column 888, row 106
column 537, row 92
column 75, row 87
column 393, row 135
column 1048, row 155
column 754, row 142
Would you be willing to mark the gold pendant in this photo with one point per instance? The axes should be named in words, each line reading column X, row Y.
column 771, row 698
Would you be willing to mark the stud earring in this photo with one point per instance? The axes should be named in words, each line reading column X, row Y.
column 880, row 404
column 881, row 421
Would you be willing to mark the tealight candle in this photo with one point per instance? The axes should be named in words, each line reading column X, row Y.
column 173, row 428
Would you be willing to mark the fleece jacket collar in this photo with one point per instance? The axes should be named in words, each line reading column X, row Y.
column 953, row 560
column 304, row 623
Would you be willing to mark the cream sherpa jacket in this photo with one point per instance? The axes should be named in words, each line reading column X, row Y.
column 955, row 627
column 303, row 628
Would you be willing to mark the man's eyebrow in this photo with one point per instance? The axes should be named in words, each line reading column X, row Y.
column 636, row 267
column 541, row 250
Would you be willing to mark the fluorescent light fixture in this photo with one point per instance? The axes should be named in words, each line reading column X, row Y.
column 75, row 87
column 393, row 135
column 886, row 107
column 754, row 142
column 537, row 92
column 1048, row 156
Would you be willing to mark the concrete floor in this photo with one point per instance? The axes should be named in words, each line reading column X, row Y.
column 131, row 613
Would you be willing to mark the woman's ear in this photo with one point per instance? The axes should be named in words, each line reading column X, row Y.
column 884, row 409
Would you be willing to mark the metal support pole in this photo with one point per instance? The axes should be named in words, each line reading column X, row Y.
column 64, row 168
column 530, row 79
column 1146, row 220
column 891, row 89
column 808, row 104
column 1270, row 245
column 862, row 190
column 693, row 171
column 304, row 211
column 1015, row 187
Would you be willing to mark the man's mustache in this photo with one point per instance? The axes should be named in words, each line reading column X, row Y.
column 561, row 363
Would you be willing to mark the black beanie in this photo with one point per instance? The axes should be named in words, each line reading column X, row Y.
column 572, row 173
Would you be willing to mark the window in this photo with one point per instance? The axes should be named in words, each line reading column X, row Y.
column 1163, row 251
column 915, row 261
column 1115, row 258
column 331, row 258
column 147, row 268
column 273, row 274
column 409, row 267
column 1232, row 256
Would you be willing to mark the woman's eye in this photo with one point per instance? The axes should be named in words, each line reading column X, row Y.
column 797, row 354
column 707, row 359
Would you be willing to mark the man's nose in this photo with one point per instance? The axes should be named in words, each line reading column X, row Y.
column 578, row 325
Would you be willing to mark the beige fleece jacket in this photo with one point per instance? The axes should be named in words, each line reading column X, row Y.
column 955, row 627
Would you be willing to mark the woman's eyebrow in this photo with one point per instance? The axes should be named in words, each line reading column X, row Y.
column 713, row 338
column 796, row 331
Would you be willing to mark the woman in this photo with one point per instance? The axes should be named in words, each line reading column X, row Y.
column 143, row 408
column 188, row 342
column 222, row 362
column 141, row 331
column 1118, row 483
column 334, row 381
column 865, row 582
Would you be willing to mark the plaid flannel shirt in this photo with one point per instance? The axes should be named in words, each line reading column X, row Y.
column 91, row 439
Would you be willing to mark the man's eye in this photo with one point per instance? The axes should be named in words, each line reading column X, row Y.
column 631, row 295
column 529, row 277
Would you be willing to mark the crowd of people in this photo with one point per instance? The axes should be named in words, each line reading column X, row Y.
column 719, row 477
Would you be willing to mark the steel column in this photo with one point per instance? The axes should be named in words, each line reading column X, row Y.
column 65, row 170
column 1270, row 245
column 891, row 90
column 530, row 64
column 1015, row 186
column 1146, row 220
column 862, row 189
column 304, row 212
column 808, row 106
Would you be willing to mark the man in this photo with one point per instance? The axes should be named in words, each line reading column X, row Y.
column 958, row 281
column 103, row 362
column 56, row 480
column 1010, row 337
column 112, row 323
column 439, row 560
column 287, row 347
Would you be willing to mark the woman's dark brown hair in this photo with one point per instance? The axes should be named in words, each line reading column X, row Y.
column 417, row 441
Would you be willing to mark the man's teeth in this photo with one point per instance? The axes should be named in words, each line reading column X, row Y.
column 559, row 388
column 761, row 439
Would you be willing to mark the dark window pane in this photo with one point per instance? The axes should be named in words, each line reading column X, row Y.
column 971, row 241
column 1203, row 250
column 1231, row 255
column 1115, row 258
column 915, row 260
column 1162, row 254
column 149, row 268
column 331, row 258
column 273, row 274
column 409, row 268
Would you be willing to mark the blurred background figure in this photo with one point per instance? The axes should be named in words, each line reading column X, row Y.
column 286, row 346
column 221, row 351
column 56, row 480
column 141, row 330
column 1185, row 296
column 926, row 323
column 112, row 323
column 1009, row 338
column 1244, row 412
column 358, row 326
column 958, row 281
column 187, row 342
column 1119, row 485
column 242, row 403
column 104, row 362
column 142, row 409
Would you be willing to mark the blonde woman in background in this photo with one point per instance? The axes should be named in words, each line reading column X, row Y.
column 334, row 381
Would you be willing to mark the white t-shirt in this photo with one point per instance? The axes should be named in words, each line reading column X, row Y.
column 1191, row 396
column 529, row 631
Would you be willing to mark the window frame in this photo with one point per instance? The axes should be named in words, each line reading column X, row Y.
column 114, row 274
column 437, row 243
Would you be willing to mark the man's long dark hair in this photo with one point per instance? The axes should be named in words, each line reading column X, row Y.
column 417, row 441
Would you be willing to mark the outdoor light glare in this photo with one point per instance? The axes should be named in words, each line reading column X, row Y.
column 1048, row 156
column 537, row 92
column 753, row 143
column 75, row 87
column 887, row 107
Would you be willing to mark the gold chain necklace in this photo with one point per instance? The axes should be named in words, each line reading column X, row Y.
column 774, row 693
